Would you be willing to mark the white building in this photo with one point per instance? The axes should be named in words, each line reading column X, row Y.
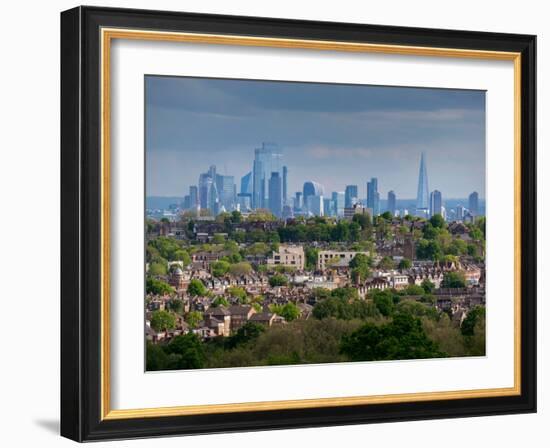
column 336, row 258
column 287, row 255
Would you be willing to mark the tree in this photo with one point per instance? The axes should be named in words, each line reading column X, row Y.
column 360, row 267
column 241, row 268
column 278, row 280
column 188, row 350
column 248, row 332
column 384, row 304
column 220, row 268
column 238, row 292
column 158, row 287
column 236, row 217
column 386, row 263
column 414, row 290
column 289, row 311
column 363, row 219
column 311, row 257
column 405, row 263
column 429, row 250
column 196, row 288
column 219, row 238
column 475, row 315
column 453, row 279
column 193, row 318
column 403, row 338
column 437, row 221
column 156, row 357
column 163, row 320
column 428, row 286
column 220, row 301
column 183, row 256
column 175, row 305
column 157, row 268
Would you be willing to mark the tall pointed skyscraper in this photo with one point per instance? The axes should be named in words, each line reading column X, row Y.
column 423, row 195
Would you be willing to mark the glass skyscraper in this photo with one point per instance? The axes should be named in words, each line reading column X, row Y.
column 275, row 194
column 246, row 183
column 267, row 159
column 436, row 203
column 473, row 203
column 312, row 189
column 351, row 194
column 391, row 202
column 373, row 197
column 422, row 195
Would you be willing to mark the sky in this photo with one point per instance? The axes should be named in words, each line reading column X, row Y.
column 334, row 134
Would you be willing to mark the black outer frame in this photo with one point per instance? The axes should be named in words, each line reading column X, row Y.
column 80, row 224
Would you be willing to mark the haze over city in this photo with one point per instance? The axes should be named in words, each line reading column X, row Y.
column 329, row 133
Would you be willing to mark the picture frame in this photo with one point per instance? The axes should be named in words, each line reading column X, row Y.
column 86, row 209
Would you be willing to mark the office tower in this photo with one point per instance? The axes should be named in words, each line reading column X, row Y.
column 351, row 194
column 422, row 196
column 186, row 202
column 473, row 203
column 246, row 183
column 205, row 187
column 460, row 213
column 436, row 203
column 339, row 203
column 226, row 191
column 257, row 185
column 312, row 189
column 244, row 201
column 270, row 158
column 285, row 180
column 373, row 197
column 275, row 194
column 298, row 201
column 315, row 205
column 391, row 202
column 193, row 196
column 327, row 207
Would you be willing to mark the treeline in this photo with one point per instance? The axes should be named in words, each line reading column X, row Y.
column 387, row 326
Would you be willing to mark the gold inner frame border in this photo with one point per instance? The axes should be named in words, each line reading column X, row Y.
column 107, row 35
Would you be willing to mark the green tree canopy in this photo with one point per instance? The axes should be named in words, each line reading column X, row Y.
column 189, row 352
column 428, row 286
column 238, row 292
column 220, row 268
column 247, row 333
column 405, row 263
column 475, row 316
column 158, row 287
column 453, row 279
column 403, row 338
column 241, row 268
column 360, row 267
column 386, row 263
column 196, row 288
column 193, row 318
column 163, row 320
column 220, row 301
column 289, row 311
column 278, row 280
column 437, row 221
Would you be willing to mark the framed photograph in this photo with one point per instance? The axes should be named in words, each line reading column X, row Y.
column 274, row 223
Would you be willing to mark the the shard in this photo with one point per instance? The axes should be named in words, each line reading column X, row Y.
column 423, row 196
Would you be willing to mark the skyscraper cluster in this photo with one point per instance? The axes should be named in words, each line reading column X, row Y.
column 265, row 186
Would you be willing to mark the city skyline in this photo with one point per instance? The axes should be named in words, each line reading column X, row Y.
column 444, row 117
